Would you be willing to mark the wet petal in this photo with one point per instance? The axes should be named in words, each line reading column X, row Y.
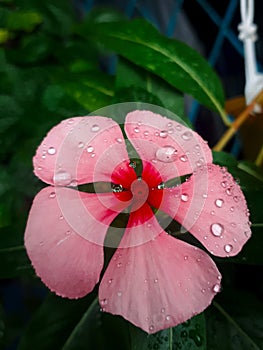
column 213, row 208
column 64, row 239
column 173, row 148
column 71, row 150
column 159, row 284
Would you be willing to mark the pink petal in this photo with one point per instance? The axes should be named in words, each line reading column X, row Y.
column 64, row 239
column 213, row 208
column 173, row 148
column 70, row 152
column 158, row 284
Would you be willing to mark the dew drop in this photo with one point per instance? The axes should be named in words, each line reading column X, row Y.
column 95, row 128
column 187, row 135
column 183, row 158
column 90, row 149
column 68, row 233
column 205, row 195
column 116, row 188
column 52, row 195
column 156, row 280
column 81, row 145
column 166, row 154
column 146, row 133
column 163, row 134
column 167, row 317
column 217, row 229
column 132, row 164
column 104, row 302
column 236, row 198
column 178, row 127
column 119, row 293
column 232, row 209
column 62, row 178
column 119, row 264
column 216, row 288
column 151, row 328
column 161, row 186
column 170, row 125
column 228, row 248
column 163, row 310
column 229, row 191
column 184, row 197
column 110, row 281
column 219, row 202
column 118, row 140
column 224, row 183
column 51, row 150
column 197, row 147
column 185, row 257
column 136, row 130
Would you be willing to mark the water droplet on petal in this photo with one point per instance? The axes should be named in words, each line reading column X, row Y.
column 183, row 158
column 161, row 186
column 104, row 302
column 90, row 149
column 116, row 188
column 146, row 133
column 136, row 129
column 132, row 164
column 118, row 140
column 170, row 125
column 81, row 145
column 187, row 135
column 228, row 248
column 178, row 127
column 167, row 317
column 119, row 264
column 162, row 310
column 224, row 183
column 151, row 328
column 217, row 229
column 95, row 128
column 62, row 178
column 51, row 150
column 216, row 288
column 52, row 195
column 184, row 197
column 156, row 280
column 219, row 203
column 232, row 209
column 185, row 257
column 163, row 134
column 166, row 154
column 119, row 293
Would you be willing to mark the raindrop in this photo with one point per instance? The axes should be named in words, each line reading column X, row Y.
column 205, row 195
column 39, row 168
column 92, row 155
column 168, row 317
column 185, row 257
column 232, row 209
column 229, row 191
column 163, row 134
column 166, row 154
column 95, row 128
column 183, row 158
column 154, row 161
column 52, row 195
column 162, row 310
column 156, row 280
column 68, row 233
column 81, row 145
column 117, row 188
column 217, row 229
column 51, row 150
column 224, row 183
column 178, row 127
column 216, row 288
column 74, row 183
column 236, row 198
column 104, row 302
column 62, row 178
column 132, row 164
column 184, row 197
column 118, row 140
column 212, row 212
column 187, row 135
column 136, row 129
column 170, row 125
column 197, row 147
column 228, row 248
column 90, row 149
column 161, row 186
column 119, row 294
column 219, row 202
column 61, row 217
column 119, row 264
column 151, row 328
column 146, row 133
column 110, row 280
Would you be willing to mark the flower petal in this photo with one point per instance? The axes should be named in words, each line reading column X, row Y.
column 173, row 148
column 158, row 284
column 213, row 208
column 65, row 242
column 70, row 151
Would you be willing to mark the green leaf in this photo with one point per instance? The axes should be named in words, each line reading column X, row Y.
column 23, row 20
column 74, row 325
column 175, row 62
column 190, row 335
column 236, row 322
column 133, row 78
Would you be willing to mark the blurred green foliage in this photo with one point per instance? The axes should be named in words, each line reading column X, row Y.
column 50, row 69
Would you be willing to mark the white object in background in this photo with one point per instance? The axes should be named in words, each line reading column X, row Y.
column 248, row 34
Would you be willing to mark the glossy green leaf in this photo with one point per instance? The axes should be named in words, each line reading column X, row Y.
column 190, row 335
column 235, row 322
column 130, row 77
column 74, row 325
column 175, row 62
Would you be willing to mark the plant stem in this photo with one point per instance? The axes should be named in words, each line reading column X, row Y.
column 259, row 159
column 258, row 100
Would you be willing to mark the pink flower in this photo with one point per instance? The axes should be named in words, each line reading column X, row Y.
column 153, row 280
